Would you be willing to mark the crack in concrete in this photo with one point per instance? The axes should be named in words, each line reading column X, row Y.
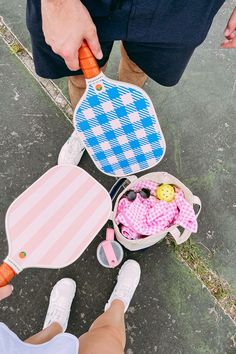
column 189, row 254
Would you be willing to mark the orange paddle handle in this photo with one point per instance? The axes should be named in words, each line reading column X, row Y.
column 6, row 274
column 88, row 62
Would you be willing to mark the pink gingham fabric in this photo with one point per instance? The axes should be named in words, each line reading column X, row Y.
column 145, row 217
column 130, row 233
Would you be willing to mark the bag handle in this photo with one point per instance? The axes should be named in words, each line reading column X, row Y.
column 115, row 189
column 121, row 182
column 176, row 234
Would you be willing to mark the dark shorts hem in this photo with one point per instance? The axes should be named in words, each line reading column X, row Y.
column 164, row 64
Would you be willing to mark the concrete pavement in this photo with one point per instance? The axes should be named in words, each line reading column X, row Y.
column 172, row 311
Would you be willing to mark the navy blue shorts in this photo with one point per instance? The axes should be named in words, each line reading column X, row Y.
column 159, row 36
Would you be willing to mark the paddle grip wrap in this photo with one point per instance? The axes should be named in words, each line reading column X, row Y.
column 6, row 274
column 88, row 62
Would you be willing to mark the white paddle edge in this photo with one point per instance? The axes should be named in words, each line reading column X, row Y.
column 115, row 82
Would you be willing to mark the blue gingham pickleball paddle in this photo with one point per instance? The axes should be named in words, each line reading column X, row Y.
column 117, row 123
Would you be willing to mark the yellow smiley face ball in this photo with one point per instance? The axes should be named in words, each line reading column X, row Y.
column 165, row 192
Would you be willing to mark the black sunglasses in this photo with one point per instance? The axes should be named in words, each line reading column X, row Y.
column 131, row 194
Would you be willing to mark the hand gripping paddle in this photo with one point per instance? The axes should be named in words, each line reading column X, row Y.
column 117, row 122
column 54, row 220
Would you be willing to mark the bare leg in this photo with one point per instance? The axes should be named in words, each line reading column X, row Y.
column 45, row 335
column 76, row 87
column 129, row 71
column 107, row 333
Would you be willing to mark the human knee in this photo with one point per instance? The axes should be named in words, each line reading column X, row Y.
column 111, row 332
column 102, row 340
column 78, row 81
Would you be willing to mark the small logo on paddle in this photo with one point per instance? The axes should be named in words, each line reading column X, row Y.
column 98, row 87
column 22, row 254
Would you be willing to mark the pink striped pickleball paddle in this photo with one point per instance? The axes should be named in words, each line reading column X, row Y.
column 51, row 223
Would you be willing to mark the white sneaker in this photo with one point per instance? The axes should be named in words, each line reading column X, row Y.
column 72, row 151
column 60, row 302
column 127, row 282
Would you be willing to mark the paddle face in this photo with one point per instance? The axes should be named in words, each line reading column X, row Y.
column 119, row 127
column 55, row 219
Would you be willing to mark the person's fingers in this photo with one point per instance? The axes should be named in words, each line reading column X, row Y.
column 225, row 44
column 93, row 43
column 231, row 25
column 73, row 63
column 5, row 291
column 231, row 36
column 229, row 43
column 70, row 56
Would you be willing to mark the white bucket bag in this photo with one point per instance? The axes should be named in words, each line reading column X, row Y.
column 159, row 177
